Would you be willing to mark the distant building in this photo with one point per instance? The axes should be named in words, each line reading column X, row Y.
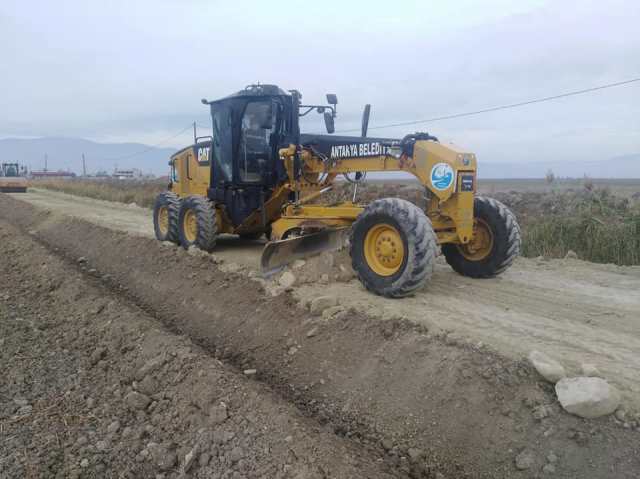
column 132, row 174
column 52, row 174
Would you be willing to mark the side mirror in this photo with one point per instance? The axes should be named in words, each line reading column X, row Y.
column 365, row 120
column 332, row 99
column 328, row 122
column 204, row 101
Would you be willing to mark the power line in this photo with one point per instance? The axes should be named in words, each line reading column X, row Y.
column 501, row 107
column 413, row 122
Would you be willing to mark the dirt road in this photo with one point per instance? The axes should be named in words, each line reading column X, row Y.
column 87, row 311
column 577, row 312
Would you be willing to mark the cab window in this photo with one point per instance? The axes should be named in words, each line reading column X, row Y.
column 255, row 148
column 174, row 172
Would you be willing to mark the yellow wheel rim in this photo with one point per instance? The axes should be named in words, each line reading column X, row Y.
column 163, row 220
column 482, row 243
column 190, row 226
column 384, row 249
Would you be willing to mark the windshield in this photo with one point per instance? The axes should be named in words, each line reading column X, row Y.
column 10, row 170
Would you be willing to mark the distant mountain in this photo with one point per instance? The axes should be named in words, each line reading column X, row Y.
column 66, row 154
column 627, row 166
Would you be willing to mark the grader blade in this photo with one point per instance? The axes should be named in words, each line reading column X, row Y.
column 277, row 254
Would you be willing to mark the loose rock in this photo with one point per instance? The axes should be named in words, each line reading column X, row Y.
column 151, row 366
column 590, row 371
column 218, row 413
column 525, row 460
column 113, row 427
column 332, row 312
column 97, row 355
column 587, row 397
column 319, row 304
column 541, row 412
column 136, row 400
column 287, row 280
column 149, row 385
column 549, row 368
column 621, row 415
column 189, row 459
column 162, row 457
column 297, row 264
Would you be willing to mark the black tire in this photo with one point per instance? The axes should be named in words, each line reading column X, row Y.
column 506, row 242
column 206, row 225
column 171, row 202
column 419, row 243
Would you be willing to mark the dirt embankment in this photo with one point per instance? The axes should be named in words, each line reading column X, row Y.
column 431, row 403
column 94, row 387
column 577, row 312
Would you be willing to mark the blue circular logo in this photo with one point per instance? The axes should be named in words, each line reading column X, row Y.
column 441, row 176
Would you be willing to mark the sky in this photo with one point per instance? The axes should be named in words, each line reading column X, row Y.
column 136, row 70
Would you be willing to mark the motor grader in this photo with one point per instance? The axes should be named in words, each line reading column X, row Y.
column 257, row 174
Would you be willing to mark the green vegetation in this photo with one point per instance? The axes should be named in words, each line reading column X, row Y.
column 595, row 224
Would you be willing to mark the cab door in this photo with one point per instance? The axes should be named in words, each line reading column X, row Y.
column 221, row 153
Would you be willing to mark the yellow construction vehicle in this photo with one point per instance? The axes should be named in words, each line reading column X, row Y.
column 258, row 174
column 12, row 178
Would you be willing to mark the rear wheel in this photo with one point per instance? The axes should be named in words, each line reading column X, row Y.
column 165, row 216
column 495, row 243
column 393, row 247
column 197, row 223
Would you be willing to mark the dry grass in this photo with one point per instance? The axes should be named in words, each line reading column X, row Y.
column 142, row 193
column 586, row 218
column 595, row 224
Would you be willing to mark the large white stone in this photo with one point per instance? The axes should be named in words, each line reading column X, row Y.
column 587, row 397
column 549, row 368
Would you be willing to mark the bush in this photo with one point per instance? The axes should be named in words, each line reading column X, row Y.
column 592, row 239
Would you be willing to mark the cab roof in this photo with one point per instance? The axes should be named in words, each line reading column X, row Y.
column 256, row 91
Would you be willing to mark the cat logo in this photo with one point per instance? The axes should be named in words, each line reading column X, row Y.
column 203, row 154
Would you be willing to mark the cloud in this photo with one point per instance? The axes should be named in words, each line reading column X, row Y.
column 126, row 70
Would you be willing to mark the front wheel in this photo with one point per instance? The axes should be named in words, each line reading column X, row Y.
column 393, row 247
column 495, row 244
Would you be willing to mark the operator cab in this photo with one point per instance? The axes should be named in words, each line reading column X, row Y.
column 248, row 129
column 10, row 170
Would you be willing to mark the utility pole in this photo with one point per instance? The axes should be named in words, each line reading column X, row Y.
column 84, row 166
column 45, row 162
column 194, row 133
